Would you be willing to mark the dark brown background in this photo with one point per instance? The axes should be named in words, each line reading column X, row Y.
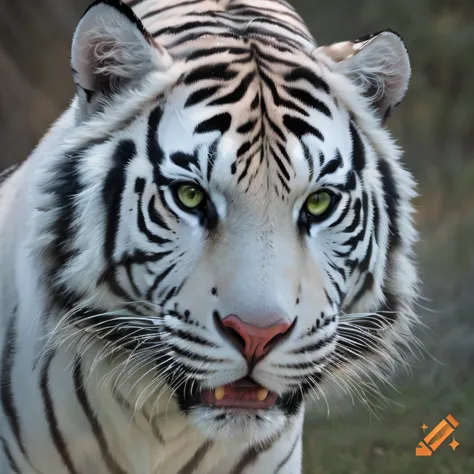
column 435, row 126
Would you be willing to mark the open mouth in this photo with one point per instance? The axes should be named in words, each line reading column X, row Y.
column 243, row 393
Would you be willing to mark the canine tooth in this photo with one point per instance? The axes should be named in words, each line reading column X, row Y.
column 219, row 393
column 262, row 394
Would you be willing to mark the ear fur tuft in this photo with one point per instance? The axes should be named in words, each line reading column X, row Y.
column 378, row 64
column 111, row 49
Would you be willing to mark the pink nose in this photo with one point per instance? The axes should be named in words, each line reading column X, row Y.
column 256, row 339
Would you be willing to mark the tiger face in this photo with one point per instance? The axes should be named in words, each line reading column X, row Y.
column 233, row 214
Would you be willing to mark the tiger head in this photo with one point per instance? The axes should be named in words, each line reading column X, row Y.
column 230, row 211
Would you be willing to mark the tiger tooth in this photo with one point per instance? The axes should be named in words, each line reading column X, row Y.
column 262, row 394
column 219, row 393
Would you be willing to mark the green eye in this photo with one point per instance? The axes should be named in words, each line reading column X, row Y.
column 190, row 195
column 318, row 203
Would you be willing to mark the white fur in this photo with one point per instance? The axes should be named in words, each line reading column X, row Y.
column 256, row 258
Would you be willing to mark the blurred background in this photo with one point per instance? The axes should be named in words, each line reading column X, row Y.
column 434, row 124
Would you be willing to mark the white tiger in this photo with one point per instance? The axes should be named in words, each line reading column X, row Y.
column 217, row 229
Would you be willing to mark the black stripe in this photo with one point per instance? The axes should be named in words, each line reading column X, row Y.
column 366, row 287
column 283, row 183
column 212, row 155
column 134, row 3
column 193, row 464
column 358, row 150
column 171, row 293
column 165, row 204
column 270, row 60
column 206, row 52
column 186, row 26
column 121, row 400
column 338, row 269
column 180, row 368
column 351, row 181
column 300, row 127
column 109, row 276
column 112, row 191
column 336, row 286
column 249, row 10
column 246, row 127
column 290, row 36
column 277, row 99
column 303, row 73
column 356, row 221
column 138, row 257
column 159, row 278
column 66, row 186
column 332, row 166
column 220, row 122
column 287, row 457
column 187, row 336
column 169, row 7
column 280, row 164
column 391, row 198
column 285, row 154
column 216, row 72
column 309, row 364
column 245, row 170
column 152, row 419
column 375, row 218
column 244, row 148
column 154, row 151
column 354, row 241
column 6, row 391
column 200, row 95
column 250, row 456
column 199, row 34
column 50, row 414
column 129, row 271
column 185, row 160
column 315, row 346
column 237, row 94
column 81, row 394
column 275, row 128
column 255, row 102
column 188, row 354
column 321, row 158
column 272, row 124
column 141, row 223
column 154, row 215
column 309, row 159
column 11, row 462
column 365, row 210
column 307, row 99
column 365, row 262
column 344, row 213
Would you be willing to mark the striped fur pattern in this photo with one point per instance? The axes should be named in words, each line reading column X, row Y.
column 111, row 291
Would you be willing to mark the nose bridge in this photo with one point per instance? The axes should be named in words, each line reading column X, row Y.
column 258, row 276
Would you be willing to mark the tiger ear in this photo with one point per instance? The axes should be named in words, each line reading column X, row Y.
column 378, row 63
column 112, row 50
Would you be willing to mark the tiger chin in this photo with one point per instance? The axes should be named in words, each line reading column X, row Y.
column 216, row 231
